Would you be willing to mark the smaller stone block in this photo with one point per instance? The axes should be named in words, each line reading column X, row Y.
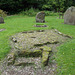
column 45, row 54
column 11, row 58
column 40, row 17
column 45, row 57
column 1, row 20
column 35, row 53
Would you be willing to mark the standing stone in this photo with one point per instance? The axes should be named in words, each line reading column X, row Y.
column 1, row 20
column 69, row 16
column 40, row 17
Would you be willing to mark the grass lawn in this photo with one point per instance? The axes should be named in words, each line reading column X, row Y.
column 66, row 52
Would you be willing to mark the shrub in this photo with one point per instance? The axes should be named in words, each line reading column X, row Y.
column 51, row 13
column 3, row 13
column 33, row 12
column 30, row 12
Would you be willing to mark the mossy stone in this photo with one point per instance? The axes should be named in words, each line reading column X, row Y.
column 35, row 53
column 45, row 57
column 11, row 58
column 45, row 54
column 45, row 48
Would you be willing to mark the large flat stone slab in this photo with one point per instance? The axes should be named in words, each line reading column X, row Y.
column 32, row 50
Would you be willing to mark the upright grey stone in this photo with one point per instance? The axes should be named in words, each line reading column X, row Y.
column 40, row 17
column 69, row 16
column 1, row 20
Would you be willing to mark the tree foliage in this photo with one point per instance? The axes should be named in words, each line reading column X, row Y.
column 14, row 6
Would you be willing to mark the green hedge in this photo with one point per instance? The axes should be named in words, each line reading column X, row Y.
column 33, row 12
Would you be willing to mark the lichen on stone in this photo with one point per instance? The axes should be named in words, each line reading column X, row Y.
column 11, row 58
column 45, row 57
column 45, row 48
column 35, row 53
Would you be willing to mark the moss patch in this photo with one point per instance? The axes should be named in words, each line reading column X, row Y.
column 45, row 57
column 45, row 54
column 45, row 48
column 27, row 53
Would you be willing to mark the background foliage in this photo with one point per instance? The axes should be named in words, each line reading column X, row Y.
column 15, row 6
column 3, row 13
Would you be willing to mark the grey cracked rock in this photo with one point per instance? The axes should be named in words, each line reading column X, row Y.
column 1, row 20
column 40, row 17
column 69, row 16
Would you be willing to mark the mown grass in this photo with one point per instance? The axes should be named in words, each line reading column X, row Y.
column 66, row 52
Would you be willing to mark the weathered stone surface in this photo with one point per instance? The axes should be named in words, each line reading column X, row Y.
column 45, row 57
column 11, row 58
column 22, row 53
column 45, row 54
column 45, row 48
column 33, row 43
column 28, row 53
column 27, row 41
column 1, row 20
column 40, row 17
column 69, row 16
column 25, row 61
column 22, row 58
